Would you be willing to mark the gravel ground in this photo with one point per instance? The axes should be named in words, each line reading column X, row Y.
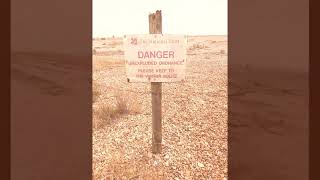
column 194, row 118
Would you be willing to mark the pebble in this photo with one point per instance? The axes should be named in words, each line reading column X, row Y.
column 200, row 165
column 166, row 163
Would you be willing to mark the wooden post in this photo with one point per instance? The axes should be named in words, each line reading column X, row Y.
column 155, row 27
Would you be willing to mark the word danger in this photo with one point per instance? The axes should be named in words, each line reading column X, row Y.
column 155, row 54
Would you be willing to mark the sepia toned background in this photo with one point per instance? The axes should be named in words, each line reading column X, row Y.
column 268, row 89
column 50, row 90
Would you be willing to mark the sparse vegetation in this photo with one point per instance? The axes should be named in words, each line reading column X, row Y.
column 103, row 115
column 122, row 104
column 105, row 62
column 126, row 105
column 198, row 46
column 96, row 92
column 106, row 112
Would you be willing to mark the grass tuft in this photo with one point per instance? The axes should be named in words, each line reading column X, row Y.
column 105, row 113
column 96, row 92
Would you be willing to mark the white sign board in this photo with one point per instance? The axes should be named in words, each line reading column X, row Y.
column 155, row 57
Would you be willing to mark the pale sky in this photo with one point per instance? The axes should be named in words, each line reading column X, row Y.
column 188, row 17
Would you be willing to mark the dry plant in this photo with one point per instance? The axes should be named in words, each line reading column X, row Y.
column 197, row 46
column 105, row 113
column 126, row 104
column 122, row 104
column 96, row 92
column 107, row 61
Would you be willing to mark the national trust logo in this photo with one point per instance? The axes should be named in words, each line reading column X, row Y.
column 134, row 41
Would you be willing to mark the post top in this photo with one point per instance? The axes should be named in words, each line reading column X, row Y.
column 157, row 12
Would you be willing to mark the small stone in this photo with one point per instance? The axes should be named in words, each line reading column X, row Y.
column 200, row 165
column 166, row 163
column 155, row 163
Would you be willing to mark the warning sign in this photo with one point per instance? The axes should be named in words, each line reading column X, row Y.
column 155, row 57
